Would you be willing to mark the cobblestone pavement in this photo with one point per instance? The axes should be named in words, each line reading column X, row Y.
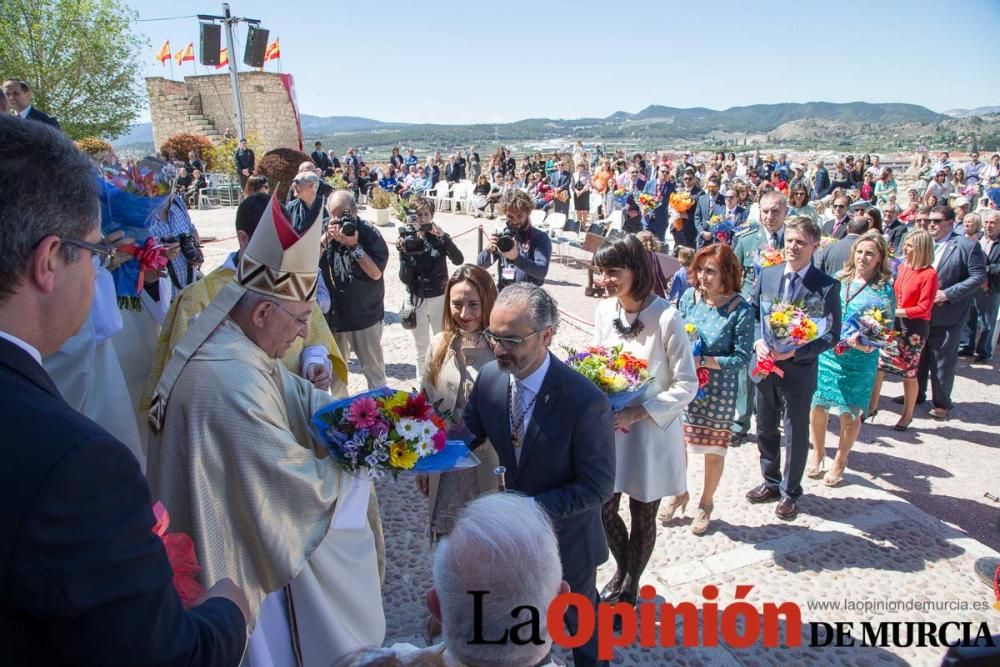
column 907, row 526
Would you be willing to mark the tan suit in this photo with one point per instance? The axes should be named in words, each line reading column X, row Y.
column 448, row 493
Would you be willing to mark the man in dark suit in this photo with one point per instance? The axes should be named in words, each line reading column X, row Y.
column 961, row 270
column 322, row 160
column 661, row 187
column 562, row 185
column 20, row 96
column 837, row 227
column 831, row 259
column 795, row 281
column 708, row 204
column 84, row 578
column 732, row 211
column 245, row 161
column 988, row 299
column 528, row 404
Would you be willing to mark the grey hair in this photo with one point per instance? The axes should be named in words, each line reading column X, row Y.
column 776, row 196
column 339, row 197
column 249, row 301
column 975, row 217
column 49, row 189
column 991, row 214
column 502, row 543
column 542, row 308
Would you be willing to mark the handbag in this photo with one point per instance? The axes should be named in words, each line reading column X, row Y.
column 408, row 313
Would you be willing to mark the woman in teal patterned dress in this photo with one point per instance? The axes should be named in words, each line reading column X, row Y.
column 845, row 381
column 724, row 323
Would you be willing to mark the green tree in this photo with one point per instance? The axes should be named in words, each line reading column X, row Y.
column 81, row 58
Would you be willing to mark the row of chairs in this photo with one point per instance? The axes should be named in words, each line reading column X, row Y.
column 221, row 191
column 452, row 197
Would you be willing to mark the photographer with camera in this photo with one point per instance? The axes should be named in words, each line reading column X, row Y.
column 351, row 266
column 424, row 249
column 172, row 225
column 523, row 252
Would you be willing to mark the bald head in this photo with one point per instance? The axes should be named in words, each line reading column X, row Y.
column 341, row 202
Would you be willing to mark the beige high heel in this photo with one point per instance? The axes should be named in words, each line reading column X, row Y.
column 677, row 502
column 702, row 517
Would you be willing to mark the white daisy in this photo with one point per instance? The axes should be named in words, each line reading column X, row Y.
column 424, row 447
column 408, row 429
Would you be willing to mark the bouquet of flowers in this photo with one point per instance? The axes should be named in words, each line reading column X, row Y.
column 647, row 202
column 785, row 327
column 144, row 179
column 620, row 196
column 388, row 431
column 824, row 241
column 872, row 325
column 767, row 257
column 182, row 558
column 681, row 202
column 695, row 337
column 720, row 228
column 620, row 375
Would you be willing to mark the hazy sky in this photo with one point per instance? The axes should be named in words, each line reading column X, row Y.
column 463, row 62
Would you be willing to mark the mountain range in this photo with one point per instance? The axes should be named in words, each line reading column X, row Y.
column 880, row 121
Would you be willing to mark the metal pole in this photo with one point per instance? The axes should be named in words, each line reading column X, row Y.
column 234, row 79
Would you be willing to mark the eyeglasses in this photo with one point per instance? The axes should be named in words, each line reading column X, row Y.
column 935, row 221
column 101, row 253
column 303, row 321
column 508, row 342
column 840, row 205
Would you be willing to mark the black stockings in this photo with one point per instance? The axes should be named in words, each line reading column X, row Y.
column 631, row 552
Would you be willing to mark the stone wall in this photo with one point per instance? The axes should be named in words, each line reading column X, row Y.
column 204, row 105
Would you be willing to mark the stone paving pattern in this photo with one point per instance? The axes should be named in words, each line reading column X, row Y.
column 908, row 524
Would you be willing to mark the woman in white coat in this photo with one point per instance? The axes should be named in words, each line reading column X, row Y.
column 649, row 438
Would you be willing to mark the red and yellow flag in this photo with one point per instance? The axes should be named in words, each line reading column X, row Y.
column 223, row 58
column 185, row 55
column 164, row 55
column 273, row 51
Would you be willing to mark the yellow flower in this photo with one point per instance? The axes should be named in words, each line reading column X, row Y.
column 877, row 314
column 690, row 329
column 402, row 457
column 779, row 318
column 619, row 384
column 396, row 400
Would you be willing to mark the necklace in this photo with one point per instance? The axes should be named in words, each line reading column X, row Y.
column 627, row 331
column 847, row 289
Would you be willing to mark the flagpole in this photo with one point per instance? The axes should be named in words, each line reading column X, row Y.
column 171, row 67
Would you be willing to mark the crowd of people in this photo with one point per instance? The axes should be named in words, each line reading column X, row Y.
column 290, row 545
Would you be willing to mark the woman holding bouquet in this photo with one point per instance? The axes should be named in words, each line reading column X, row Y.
column 845, row 379
column 916, row 285
column 454, row 358
column 724, row 323
column 649, row 441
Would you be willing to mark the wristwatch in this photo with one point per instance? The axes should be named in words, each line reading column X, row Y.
column 357, row 253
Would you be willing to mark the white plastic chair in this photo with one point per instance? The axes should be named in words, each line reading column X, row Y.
column 537, row 217
column 460, row 196
column 442, row 195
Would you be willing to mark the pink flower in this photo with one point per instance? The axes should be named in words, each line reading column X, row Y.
column 439, row 440
column 363, row 412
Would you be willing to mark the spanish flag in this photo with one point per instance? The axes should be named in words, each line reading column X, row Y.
column 273, row 51
column 223, row 58
column 185, row 55
column 164, row 55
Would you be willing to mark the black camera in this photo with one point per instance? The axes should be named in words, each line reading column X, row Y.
column 410, row 241
column 349, row 225
column 189, row 247
column 506, row 239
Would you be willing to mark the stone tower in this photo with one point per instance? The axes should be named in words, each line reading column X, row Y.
column 204, row 105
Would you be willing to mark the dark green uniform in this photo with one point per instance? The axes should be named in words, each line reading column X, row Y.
column 746, row 246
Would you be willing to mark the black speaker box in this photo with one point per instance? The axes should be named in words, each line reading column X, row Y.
column 253, row 56
column 211, row 43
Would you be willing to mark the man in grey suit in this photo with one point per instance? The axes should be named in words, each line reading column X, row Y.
column 831, row 259
column 961, row 269
column 795, row 281
column 552, row 430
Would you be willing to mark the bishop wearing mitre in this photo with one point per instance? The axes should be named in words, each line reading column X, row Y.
column 232, row 459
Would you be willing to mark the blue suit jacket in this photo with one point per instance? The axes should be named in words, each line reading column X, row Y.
column 657, row 223
column 961, row 273
column 821, row 295
column 568, row 458
column 42, row 117
column 83, row 579
column 704, row 207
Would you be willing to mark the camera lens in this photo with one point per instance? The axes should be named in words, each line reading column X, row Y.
column 348, row 228
column 505, row 243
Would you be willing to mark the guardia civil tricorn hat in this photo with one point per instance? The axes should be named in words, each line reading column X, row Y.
column 279, row 261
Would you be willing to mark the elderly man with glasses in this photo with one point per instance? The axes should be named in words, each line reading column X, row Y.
column 837, row 226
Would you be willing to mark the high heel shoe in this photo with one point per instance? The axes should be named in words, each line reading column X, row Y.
column 702, row 517
column 901, row 425
column 613, row 589
column 677, row 502
column 630, row 590
column 816, row 472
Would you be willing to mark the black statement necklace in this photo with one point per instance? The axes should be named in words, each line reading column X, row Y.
column 626, row 331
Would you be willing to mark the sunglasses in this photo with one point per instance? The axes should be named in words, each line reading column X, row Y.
column 508, row 342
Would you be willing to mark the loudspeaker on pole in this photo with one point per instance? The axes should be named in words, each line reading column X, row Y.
column 256, row 48
column 211, row 43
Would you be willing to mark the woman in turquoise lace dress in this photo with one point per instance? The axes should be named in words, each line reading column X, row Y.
column 724, row 323
column 845, row 380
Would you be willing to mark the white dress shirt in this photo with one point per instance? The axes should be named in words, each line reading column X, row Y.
column 24, row 114
column 27, row 347
column 798, row 285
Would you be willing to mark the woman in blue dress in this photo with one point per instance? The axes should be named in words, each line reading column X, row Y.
column 845, row 380
column 724, row 324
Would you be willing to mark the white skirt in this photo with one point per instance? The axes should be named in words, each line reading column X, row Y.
column 650, row 462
